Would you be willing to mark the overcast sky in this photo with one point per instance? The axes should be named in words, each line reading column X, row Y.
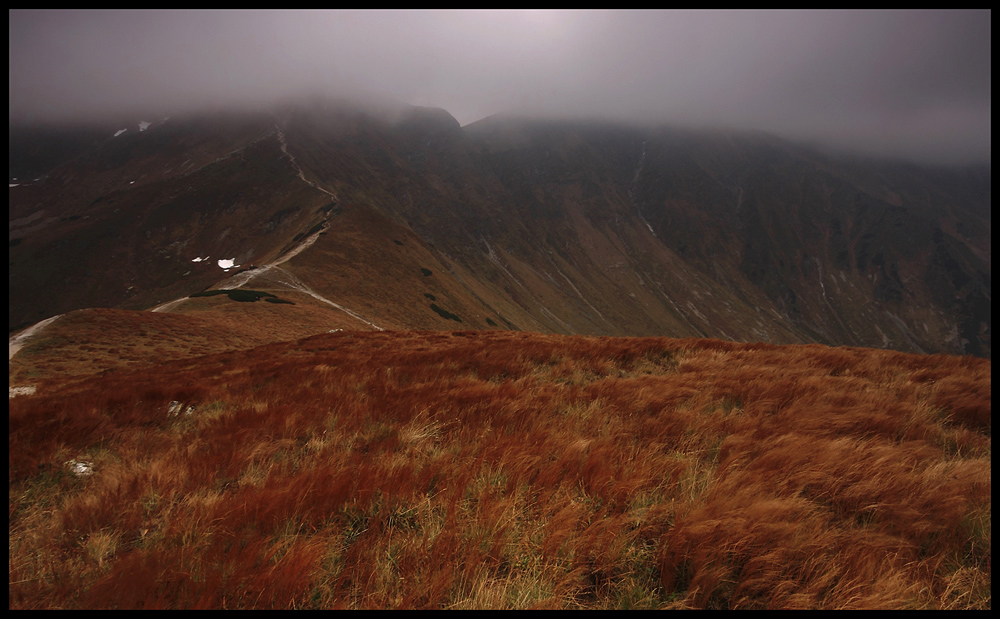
column 909, row 83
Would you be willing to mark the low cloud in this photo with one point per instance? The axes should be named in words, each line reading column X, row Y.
column 915, row 84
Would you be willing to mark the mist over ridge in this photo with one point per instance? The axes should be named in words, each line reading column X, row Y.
column 910, row 84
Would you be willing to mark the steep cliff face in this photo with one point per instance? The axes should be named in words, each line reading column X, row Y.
column 561, row 227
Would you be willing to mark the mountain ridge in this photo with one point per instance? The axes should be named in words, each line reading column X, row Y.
column 550, row 226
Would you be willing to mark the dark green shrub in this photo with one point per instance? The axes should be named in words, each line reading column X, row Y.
column 243, row 296
column 445, row 313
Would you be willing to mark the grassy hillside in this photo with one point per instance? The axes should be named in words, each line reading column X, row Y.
column 121, row 226
column 564, row 227
column 91, row 341
column 494, row 469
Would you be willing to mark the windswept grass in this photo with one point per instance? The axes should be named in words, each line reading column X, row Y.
column 508, row 470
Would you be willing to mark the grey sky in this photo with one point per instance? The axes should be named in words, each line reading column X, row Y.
column 910, row 83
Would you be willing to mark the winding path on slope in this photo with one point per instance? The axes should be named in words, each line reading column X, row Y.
column 15, row 342
column 275, row 274
column 295, row 164
column 272, row 271
column 282, row 277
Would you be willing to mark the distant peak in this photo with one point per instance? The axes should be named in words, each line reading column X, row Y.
column 432, row 118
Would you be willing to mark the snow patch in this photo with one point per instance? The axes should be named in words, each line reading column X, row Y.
column 228, row 263
column 120, row 131
column 143, row 125
column 9, row 185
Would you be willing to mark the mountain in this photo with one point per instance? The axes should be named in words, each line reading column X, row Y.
column 342, row 356
column 414, row 222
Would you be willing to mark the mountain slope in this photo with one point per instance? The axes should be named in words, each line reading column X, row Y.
column 120, row 226
column 564, row 227
column 790, row 245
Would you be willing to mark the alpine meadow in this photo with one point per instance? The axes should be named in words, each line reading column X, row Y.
column 472, row 469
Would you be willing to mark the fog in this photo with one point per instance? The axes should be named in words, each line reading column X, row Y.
column 913, row 84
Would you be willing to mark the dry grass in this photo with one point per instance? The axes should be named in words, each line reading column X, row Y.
column 91, row 341
column 508, row 470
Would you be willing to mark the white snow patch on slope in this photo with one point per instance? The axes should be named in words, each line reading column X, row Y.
column 120, row 131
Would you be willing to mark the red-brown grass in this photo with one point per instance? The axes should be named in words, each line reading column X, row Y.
column 508, row 470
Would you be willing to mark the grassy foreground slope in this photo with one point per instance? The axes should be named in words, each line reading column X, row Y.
column 507, row 470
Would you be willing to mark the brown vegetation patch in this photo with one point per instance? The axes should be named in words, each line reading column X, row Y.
column 508, row 470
